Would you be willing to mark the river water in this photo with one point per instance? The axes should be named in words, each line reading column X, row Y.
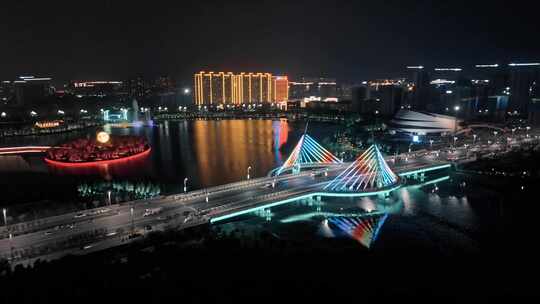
column 442, row 214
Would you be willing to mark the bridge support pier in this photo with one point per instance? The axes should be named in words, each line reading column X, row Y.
column 384, row 195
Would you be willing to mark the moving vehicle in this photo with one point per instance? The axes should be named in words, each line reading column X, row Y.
column 152, row 211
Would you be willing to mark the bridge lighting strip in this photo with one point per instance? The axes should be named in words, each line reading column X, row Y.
column 307, row 216
column 326, row 194
column 330, row 194
column 438, row 180
column 425, row 170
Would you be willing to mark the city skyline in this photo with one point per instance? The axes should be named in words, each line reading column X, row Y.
column 345, row 40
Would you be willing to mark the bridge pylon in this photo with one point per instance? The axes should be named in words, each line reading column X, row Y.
column 307, row 152
column 368, row 172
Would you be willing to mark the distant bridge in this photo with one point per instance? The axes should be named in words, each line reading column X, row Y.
column 23, row 150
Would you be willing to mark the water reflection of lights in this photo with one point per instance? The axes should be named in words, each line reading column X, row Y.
column 325, row 229
column 310, row 215
column 367, row 204
column 452, row 199
column 434, row 199
column 407, row 201
column 363, row 229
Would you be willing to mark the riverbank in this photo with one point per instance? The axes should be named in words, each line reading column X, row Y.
column 32, row 130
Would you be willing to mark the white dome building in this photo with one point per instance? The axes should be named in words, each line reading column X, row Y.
column 423, row 123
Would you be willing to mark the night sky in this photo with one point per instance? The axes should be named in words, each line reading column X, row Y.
column 349, row 40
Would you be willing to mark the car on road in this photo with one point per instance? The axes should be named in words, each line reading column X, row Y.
column 48, row 232
column 79, row 215
column 148, row 212
column 87, row 247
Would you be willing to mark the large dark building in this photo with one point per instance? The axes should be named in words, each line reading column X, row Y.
column 379, row 97
column 323, row 88
column 31, row 90
column 523, row 78
column 420, row 87
column 137, row 87
column 95, row 88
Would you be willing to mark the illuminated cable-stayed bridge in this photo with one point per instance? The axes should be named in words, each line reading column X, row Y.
column 368, row 175
column 369, row 171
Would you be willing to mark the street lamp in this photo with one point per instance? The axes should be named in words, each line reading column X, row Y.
column 132, row 222
column 455, row 139
column 248, row 169
column 528, row 129
column 185, row 184
column 474, row 138
column 431, row 144
column 456, row 109
column 4, row 211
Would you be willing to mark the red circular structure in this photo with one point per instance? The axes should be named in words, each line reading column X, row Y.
column 137, row 156
column 92, row 156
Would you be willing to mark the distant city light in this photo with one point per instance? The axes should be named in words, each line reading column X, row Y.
column 487, row 65
column 449, row 69
column 418, row 67
column 524, row 64
column 3, row 114
column 187, row 91
column 33, row 113
column 449, row 92
column 442, row 81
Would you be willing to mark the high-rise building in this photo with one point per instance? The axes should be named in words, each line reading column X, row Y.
column 164, row 83
column 322, row 88
column 6, row 91
column 523, row 78
column 30, row 89
column 280, row 85
column 95, row 88
column 137, row 87
column 213, row 88
column 420, row 87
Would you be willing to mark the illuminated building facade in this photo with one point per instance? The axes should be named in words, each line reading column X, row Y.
column 226, row 88
column 280, row 86
column 95, row 88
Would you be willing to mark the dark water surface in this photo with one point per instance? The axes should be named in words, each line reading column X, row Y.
column 446, row 216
